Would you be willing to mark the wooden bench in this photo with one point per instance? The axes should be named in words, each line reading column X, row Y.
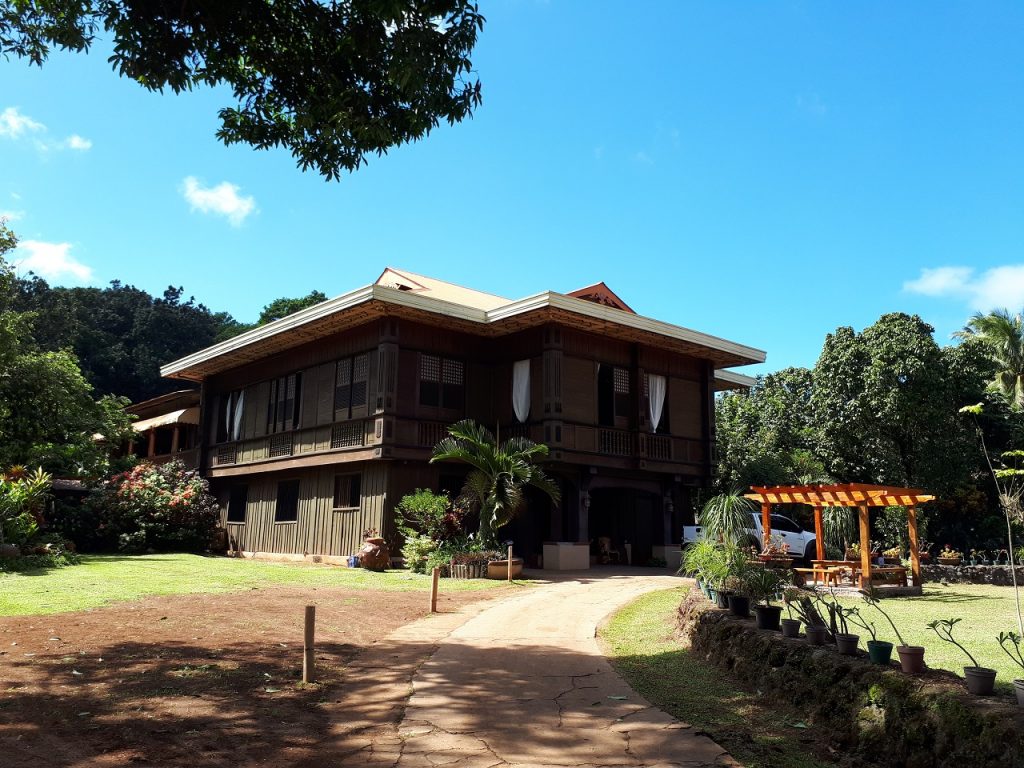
column 829, row 574
column 889, row 574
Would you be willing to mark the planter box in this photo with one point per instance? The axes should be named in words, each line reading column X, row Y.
column 468, row 571
column 499, row 568
column 949, row 561
column 566, row 556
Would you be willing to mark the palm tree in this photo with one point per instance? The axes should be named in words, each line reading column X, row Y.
column 727, row 517
column 1003, row 334
column 500, row 472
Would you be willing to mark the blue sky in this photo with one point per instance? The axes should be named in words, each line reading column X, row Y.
column 761, row 171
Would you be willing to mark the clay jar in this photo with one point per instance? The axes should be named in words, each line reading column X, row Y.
column 374, row 556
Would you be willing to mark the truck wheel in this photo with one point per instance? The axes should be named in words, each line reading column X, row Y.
column 811, row 552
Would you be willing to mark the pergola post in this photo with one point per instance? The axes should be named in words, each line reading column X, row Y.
column 915, row 555
column 151, row 446
column 175, row 438
column 819, row 533
column 865, row 546
column 766, row 524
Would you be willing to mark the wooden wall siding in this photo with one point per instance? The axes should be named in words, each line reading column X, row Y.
column 593, row 347
column 482, row 398
column 351, row 342
column 318, row 530
column 408, row 382
column 579, row 390
column 685, row 408
column 669, row 364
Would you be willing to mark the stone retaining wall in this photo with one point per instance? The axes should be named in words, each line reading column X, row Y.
column 973, row 574
column 873, row 716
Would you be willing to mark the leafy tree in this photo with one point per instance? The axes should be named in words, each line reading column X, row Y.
column 120, row 334
column 1003, row 336
column 330, row 81
column 885, row 406
column 48, row 416
column 283, row 307
column 500, row 472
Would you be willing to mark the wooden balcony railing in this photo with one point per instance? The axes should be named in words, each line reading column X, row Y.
column 615, row 442
column 657, row 447
column 430, row 433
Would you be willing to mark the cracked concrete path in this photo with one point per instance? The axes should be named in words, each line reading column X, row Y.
column 524, row 683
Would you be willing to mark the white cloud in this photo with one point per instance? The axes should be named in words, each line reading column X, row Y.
column 74, row 141
column 13, row 124
column 996, row 288
column 643, row 158
column 9, row 215
column 222, row 200
column 52, row 261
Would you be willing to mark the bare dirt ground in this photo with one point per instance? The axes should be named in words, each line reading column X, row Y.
column 211, row 680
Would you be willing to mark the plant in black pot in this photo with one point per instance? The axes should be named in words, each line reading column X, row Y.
column 739, row 596
column 846, row 641
column 1010, row 643
column 790, row 625
column 763, row 584
column 980, row 680
column 911, row 656
column 807, row 606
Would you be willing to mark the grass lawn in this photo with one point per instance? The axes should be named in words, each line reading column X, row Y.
column 640, row 643
column 103, row 579
column 986, row 611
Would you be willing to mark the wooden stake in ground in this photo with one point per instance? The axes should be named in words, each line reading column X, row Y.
column 307, row 645
column 510, row 562
column 434, row 576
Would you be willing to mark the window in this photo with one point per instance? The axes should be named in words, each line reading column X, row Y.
column 350, row 385
column 780, row 523
column 612, row 394
column 442, row 382
column 284, row 403
column 347, row 491
column 229, row 416
column 237, row 502
column 663, row 425
column 287, row 509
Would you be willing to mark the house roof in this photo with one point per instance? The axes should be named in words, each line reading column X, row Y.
column 599, row 293
column 166, row 403
column 398, row 293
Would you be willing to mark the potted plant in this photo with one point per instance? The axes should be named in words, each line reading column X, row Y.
column 879, row 651
column 892, row 556
column 973, row 557
column 1013, row 640
column 763, row 584
column 980, row 680
column 911, row 656
column 846, row 641
column 374, row 556
column 949, row 556
column 805, row 605
column 852, row 553
column 790, row 626
column 739, row 597
column 776, row 553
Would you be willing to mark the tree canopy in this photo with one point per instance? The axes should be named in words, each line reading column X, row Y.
column 332, row 82
column 48, row 414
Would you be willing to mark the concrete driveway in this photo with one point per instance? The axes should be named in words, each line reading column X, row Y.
column 524, row 683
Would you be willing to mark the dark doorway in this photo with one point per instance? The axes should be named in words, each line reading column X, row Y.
column 624, row 515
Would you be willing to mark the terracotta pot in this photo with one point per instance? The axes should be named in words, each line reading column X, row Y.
column 790, row 627
column 911, row 658
column 980, row 680
column 816, row 635
column 880, row 652
column 768, row 617
column 847, row 644
column 374, row 556
column 498, row 569
column 1018, row 687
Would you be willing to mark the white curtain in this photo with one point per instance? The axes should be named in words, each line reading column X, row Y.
column 656, row 386
column 236, row 422
column 521, row 390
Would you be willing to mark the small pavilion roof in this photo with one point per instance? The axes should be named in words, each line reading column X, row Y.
column 840, row 495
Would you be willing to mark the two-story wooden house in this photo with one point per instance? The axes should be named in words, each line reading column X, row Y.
column 314, row 426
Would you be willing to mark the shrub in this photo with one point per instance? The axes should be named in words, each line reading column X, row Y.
column 22, row 495
column 154, row 507
column 431, row 514
column 416, row 552
column 50, row 550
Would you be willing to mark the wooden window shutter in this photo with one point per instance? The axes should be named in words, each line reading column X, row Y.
column 343, row 390
column 360, row 378
column 325, row 376
column 308, row 411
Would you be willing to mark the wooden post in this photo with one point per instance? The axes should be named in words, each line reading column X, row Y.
column 865, row 546
column 915, row 555
column 307, row 645
column 151, row 445
column 510, row 562
column 819, row 534
column 175, row 439
column 434, row 576
column 766, row 524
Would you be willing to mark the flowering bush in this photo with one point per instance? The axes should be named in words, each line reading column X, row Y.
column 155, row 507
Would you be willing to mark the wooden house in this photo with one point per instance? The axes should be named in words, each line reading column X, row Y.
column 167, row 428
column 313, row 427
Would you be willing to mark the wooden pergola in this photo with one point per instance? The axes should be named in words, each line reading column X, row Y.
column 860, row 495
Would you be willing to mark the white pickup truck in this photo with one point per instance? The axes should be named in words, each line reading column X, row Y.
column 802, row 544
